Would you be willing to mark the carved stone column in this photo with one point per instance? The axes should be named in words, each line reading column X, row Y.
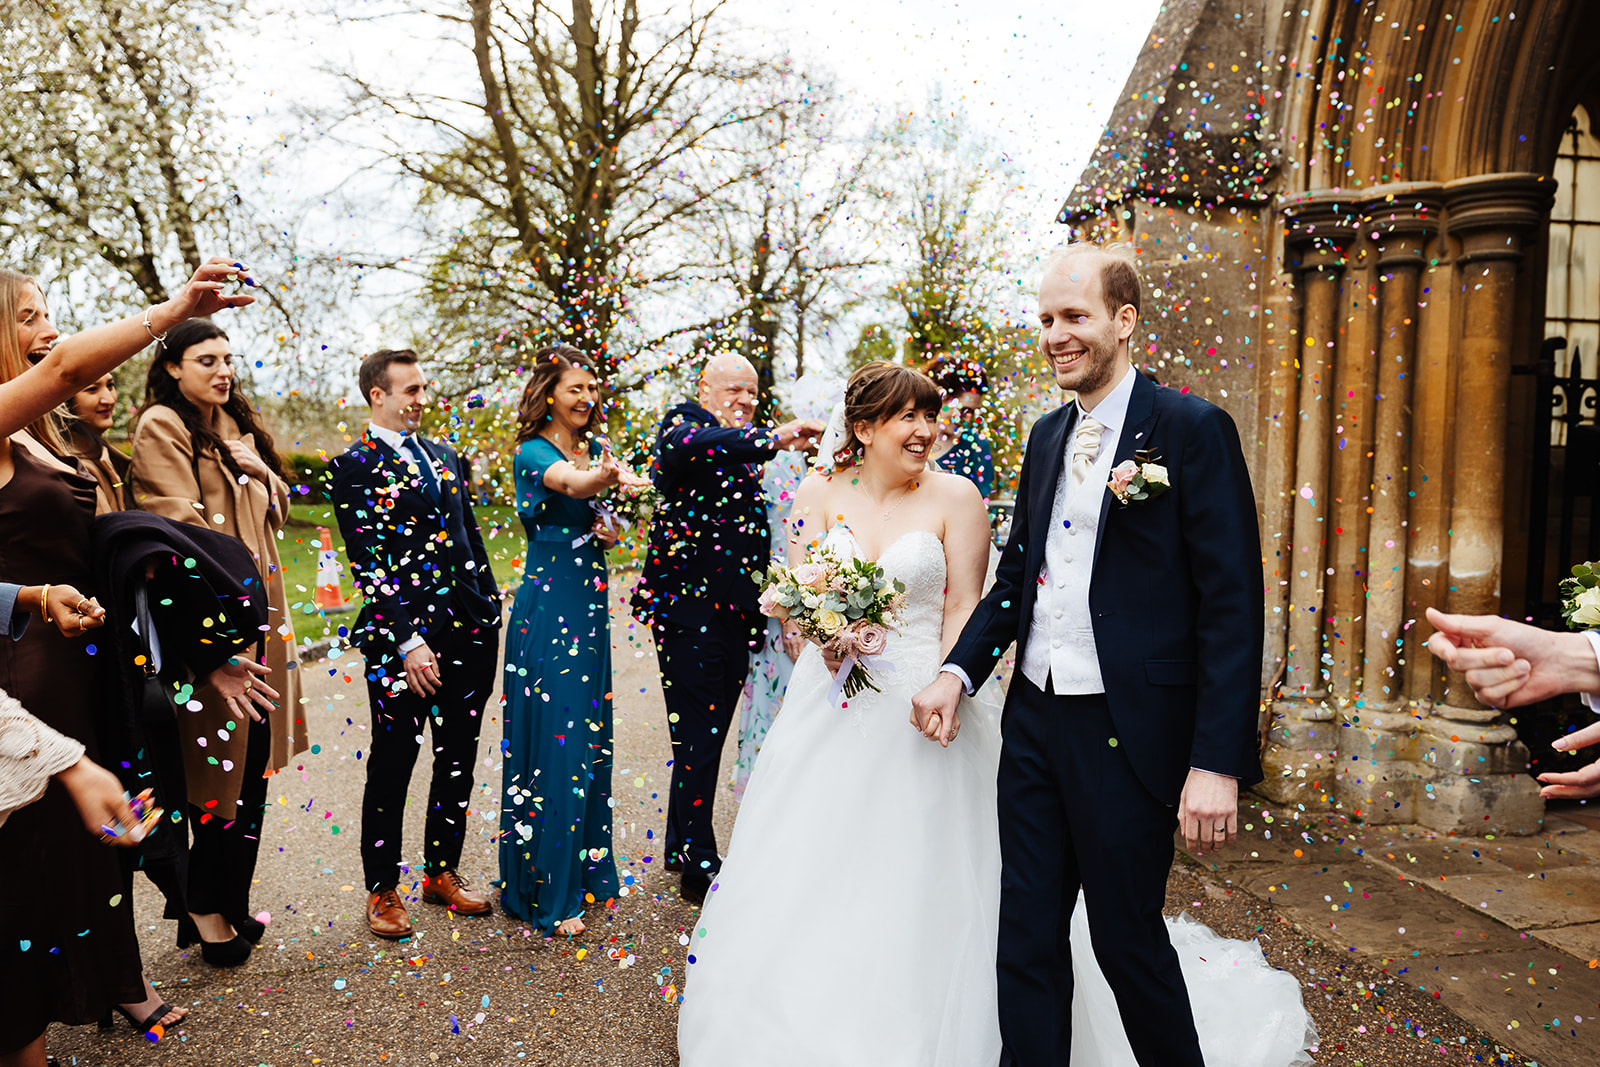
column 1378, row 777
column 1299, row 759
column 1475, row 757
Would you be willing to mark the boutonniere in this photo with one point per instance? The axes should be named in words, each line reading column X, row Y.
column 1142, row 478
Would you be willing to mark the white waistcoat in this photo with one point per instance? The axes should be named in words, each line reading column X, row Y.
column 1060, row 645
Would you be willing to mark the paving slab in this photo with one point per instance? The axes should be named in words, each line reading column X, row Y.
column 1376, row 915
column 1561, row 897
column 1582, row 941
column 1544, row 1002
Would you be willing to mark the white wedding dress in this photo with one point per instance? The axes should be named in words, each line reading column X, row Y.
column 853, row 923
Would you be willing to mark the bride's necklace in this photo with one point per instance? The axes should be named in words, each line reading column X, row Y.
column 891, row 510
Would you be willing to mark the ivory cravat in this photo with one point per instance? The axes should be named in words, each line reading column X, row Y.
column 1085, row 447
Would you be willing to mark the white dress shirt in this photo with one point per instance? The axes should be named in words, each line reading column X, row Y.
column 1592, row 700
column 397, row 441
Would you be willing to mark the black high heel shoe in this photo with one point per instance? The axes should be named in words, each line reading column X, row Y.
column 217, row 953
column 250, row 929
column 226, row 953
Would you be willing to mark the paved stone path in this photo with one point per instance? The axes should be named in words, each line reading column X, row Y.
column 1410, row 946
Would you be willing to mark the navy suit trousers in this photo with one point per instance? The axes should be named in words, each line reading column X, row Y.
column 1073, row 814
column 703, row 669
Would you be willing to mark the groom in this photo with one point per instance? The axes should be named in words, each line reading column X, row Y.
column 1139, row 629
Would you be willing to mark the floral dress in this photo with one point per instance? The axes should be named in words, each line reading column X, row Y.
column 770, row 665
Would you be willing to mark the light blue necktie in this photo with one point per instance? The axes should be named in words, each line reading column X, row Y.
column 430, row 480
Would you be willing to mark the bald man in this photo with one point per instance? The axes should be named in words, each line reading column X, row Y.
column 696, row 594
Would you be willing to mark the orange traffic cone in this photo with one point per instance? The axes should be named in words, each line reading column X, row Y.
column 329, row 594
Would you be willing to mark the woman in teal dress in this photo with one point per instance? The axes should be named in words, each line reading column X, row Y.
column 555, row 815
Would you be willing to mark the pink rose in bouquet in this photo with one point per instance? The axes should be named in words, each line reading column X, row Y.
column 872, row 639
column 770, row 606
column 813, row 576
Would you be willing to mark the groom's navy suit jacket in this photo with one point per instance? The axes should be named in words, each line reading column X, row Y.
column 1176, row 595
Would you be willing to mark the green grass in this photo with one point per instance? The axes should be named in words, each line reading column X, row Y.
column 502, row 536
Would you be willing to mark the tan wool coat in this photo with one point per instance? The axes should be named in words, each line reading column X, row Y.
column 162, row 481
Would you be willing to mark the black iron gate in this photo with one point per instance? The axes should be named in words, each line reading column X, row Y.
column 1563, row 524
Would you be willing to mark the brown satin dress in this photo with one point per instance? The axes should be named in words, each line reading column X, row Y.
column 67, row 952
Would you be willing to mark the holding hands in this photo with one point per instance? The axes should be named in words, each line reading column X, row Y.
column 934, row 711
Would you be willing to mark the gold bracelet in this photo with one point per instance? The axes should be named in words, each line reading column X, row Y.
column 44, row 598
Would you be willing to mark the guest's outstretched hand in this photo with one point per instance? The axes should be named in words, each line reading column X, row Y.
column 1573, row 785
column 72, row 613
column 239, row 683
column 101, row 802
column 797, row 435
column 203, row 294
column 1509, row 664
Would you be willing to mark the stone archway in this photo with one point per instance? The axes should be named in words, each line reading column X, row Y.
column 1413, row 254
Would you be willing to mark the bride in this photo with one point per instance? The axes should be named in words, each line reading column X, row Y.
column 864, row 868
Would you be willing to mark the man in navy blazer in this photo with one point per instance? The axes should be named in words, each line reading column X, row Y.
column 1137, row 611
column 429, row 630
column 696, row 594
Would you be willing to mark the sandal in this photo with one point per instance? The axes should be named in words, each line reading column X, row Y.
column 151, row 1028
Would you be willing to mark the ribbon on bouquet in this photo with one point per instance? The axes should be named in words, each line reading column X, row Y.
column 848, row 665
column 605, row 513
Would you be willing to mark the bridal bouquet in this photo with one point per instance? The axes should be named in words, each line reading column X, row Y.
column 842, row 600
column 1580, row 597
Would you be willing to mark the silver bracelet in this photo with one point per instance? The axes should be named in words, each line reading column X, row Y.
column 158, row 338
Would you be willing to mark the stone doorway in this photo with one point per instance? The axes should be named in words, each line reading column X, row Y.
column 1554, row 408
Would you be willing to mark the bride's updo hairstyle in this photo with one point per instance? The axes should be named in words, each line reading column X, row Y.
column 878, row 392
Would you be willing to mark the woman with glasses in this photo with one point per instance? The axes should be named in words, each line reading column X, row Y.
column 200, row 456
column 961, row 447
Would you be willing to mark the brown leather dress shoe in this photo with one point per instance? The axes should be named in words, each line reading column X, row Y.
column 386, row 915
column 450, row 889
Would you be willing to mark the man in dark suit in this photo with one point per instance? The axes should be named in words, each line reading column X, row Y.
column 1138, row 617
column 429, row 630
column 696, row 594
